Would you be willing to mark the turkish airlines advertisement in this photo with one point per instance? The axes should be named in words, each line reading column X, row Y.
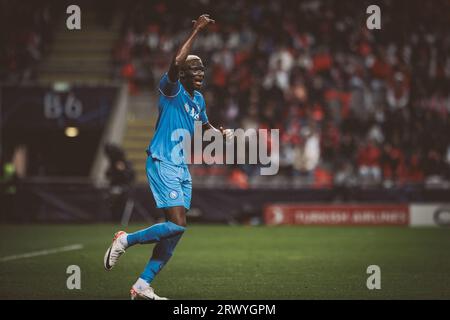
column 358, row 214
column 337, row 214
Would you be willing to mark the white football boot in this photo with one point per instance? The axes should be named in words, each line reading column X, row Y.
column 115, row 250
column 146, row 293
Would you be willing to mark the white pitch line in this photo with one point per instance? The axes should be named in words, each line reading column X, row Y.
column 42, row 252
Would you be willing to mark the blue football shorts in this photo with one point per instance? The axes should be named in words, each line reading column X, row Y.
column 171, row 185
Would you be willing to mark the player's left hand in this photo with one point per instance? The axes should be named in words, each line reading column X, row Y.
column 227, row 133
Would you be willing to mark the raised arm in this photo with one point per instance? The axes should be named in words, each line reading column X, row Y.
column 185, row 48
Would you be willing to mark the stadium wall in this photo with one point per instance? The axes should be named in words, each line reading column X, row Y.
column 80, row 201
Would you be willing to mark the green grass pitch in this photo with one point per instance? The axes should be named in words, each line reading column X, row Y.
column 234, row 262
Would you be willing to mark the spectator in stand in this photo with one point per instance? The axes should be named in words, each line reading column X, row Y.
column 369, row 163
column 28, row 30
column 307, row 154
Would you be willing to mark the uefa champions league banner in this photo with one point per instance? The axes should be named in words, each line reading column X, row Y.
column 43, row 107
column 60, row 127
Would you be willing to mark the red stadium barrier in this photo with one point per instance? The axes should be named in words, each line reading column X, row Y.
column 347, row 214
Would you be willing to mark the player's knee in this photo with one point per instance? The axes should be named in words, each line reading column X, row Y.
column 178, row 226
column 177, row 216
column 179, row 220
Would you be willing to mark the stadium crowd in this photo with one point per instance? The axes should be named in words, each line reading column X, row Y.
column 351, row 103
column 27, row 30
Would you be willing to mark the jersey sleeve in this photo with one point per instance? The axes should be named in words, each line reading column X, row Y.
column 203, row 115
column 168, row 88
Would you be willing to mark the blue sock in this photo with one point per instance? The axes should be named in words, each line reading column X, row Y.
column 155, row 233
column 161, row 254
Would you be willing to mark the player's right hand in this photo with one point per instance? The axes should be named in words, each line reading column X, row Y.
column 227, row 133
column 202, row 21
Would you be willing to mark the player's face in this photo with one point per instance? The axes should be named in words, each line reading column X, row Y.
column 195, row 73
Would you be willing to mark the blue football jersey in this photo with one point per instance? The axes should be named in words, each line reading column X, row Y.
column 177, row 113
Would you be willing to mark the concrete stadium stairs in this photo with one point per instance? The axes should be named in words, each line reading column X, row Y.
column 81, row 55
column 141, row 121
